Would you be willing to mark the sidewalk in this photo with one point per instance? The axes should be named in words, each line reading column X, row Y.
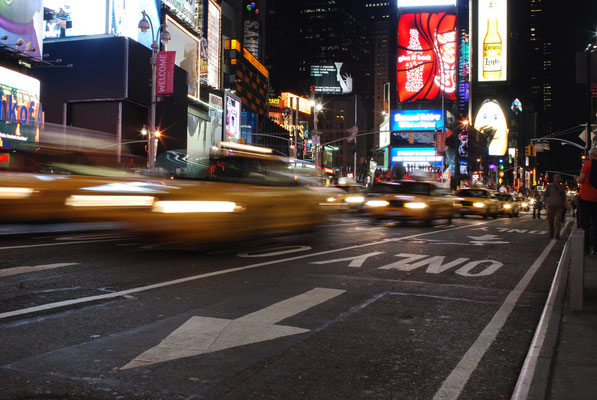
column 574, row 363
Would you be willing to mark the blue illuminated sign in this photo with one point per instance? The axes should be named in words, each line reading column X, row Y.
column 416, row 120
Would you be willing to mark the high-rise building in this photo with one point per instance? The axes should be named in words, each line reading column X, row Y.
column 379, row 17
column 541, row 66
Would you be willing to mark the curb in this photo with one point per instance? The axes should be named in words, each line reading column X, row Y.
column 534, row 378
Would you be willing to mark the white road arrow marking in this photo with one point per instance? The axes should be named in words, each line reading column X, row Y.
column 201, row 335
column 486, row 239
column 24, row 270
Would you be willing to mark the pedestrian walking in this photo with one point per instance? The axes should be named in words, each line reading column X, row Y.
column 554, row 199
column 588, row 200
column 537, row 201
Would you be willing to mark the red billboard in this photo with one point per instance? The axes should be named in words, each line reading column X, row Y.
column 426, row 59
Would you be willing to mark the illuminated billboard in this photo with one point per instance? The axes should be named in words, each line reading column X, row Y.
column 213, row 44
column 187, row 48
column 233, row 110
column 304, row 105
column 332, row 78
column 184, row 9
column 22, row 24
column 21, row 113
column 491, row 121
column 425, row 3
column 426, row 59
column 416, row 120
column 415, row 156
column 492, row 41
column 68, row 18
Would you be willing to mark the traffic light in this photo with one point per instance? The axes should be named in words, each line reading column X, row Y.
column 501, row 174
column 527, row 150
column 533, row 150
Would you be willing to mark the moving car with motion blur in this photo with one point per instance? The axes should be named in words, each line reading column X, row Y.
column 353, row 195
column 523, row 202
column 411, row 201
column 478, row 201
column 42, row 187
column 508, row 206
column 236, row 193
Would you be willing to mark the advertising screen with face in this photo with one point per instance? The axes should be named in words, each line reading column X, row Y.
column 187, row 49
column 426, row 59
column 332, row 78
column 232, row 119
column 21, row 21
column 492, row 122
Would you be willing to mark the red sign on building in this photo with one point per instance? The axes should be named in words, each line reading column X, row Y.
column 426, row 59
column 165, row 72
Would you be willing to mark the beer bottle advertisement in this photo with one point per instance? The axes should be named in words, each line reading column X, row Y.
column 492, row 40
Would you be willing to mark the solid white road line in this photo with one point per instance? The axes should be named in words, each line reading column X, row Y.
column 26, row 246
column 455, row 382
column 24, row 270
column 66, row 303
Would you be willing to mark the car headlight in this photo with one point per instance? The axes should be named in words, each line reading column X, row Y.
column 479, row 205
column 524, row 204
column 507, row 206
column 377, row 203
column 415, row 205
column 15, row 192
column 532, row 201
column 355, row 199
column 330, row 199
column 109, row 201
column 170, row 207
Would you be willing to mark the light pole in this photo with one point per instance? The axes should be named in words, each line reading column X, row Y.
column 163, row 35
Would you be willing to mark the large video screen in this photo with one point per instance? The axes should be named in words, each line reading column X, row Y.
column 187, row 48
column 68, row 18
column 332, row 78
column 416, row 120
column 426, row 59
column 492, row 41
column 21, row 26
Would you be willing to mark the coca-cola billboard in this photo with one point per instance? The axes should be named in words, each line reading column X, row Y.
column 426, row 59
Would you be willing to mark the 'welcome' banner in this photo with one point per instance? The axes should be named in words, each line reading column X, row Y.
column 165, row 72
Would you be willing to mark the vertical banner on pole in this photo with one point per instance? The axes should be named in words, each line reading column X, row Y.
column 165, row 72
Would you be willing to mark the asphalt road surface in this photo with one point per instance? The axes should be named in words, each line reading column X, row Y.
column 357, row 310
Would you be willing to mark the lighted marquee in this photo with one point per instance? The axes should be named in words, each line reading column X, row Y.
column 416, row 120
column 491, row 120
column 410, row 155
column 426, row 56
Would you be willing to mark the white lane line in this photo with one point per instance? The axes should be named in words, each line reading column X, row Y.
column 24, row 270
column 66, row 303
column 455, row 382
column 26, row 246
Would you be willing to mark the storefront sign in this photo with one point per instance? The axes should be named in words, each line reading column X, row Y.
column 165, row 72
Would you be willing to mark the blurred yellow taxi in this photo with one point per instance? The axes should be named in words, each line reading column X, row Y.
column 508, row 206
column 352, row 195
column 478, row 201
column 74, row 192
column 411, row 200
column 238, row 192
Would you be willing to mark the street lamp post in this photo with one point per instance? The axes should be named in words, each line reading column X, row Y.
column 163, row 35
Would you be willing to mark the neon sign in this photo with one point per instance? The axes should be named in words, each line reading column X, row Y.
column 426, row 59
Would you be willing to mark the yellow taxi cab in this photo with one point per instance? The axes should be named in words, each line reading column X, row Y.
column 508, row 206
column 239, row 192
column 352, row 194
column 63, row 192
column 478, row 201
column 411, row 200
